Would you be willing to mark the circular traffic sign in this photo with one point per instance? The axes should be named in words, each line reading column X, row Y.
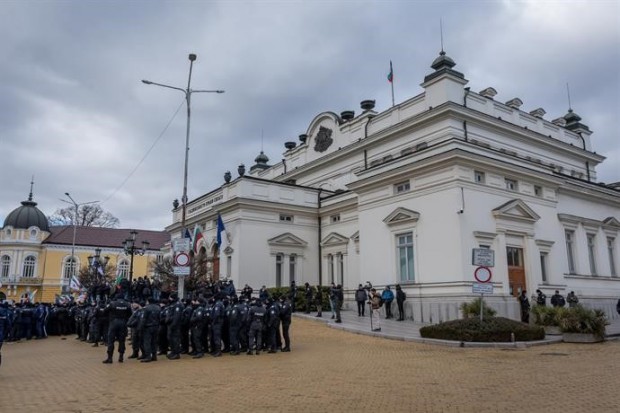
column 483, row 274
column 181, row 259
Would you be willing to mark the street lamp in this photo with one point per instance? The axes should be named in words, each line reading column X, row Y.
column 188, row 96
column 129, row 245
column 75, row 219
column 97, row 264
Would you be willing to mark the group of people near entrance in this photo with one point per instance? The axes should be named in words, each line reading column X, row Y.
column 557, row 300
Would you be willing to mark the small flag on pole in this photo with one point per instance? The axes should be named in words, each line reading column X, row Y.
column 390, row 78
column 74, row 284
column 197, row 237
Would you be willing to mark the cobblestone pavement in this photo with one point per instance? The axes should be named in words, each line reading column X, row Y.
column 327, row 370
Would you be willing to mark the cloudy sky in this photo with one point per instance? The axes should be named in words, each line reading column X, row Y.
column 74, row 113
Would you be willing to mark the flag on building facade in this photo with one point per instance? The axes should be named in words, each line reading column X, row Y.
column 220, row 228
column 196, row 238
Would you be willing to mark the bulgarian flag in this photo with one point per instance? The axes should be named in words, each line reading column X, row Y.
column 196, row 238
column 390, row 76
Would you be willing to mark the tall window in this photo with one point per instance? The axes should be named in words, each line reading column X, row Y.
column 5, row 266
column 570, row 250
column 29, row 263
column 330, row 268
column 479, row 177
column 591, row 253
column 511, row 184
column 405, row 256
column 279, row 259
column 612, row 258
column 228, row 265
column 543, row 266
column 69, row 269
column 292, row 262
column 340, row 263
column 123, row 269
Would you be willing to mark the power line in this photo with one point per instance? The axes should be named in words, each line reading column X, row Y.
column 145, row 155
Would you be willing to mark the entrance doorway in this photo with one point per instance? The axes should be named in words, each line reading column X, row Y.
column 516, row 270
column 216, row 263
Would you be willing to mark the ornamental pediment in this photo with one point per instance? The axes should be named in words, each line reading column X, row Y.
column 334, row 239
column 611, row 222
column 287, row 240
column 401, row 215
column 517, row 210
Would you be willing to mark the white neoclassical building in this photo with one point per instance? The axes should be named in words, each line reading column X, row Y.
column 405, row 195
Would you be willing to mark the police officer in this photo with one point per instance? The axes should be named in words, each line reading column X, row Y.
column 292, row 294
column 4, row 324
column 244, row 323
column 162, row 332
column 185, row 326
column 257, row 316
column 234, row 324
column 174, row 320
column 136, row 333
column 119, row 311
column 197, row 325
column 541, row 298
column 286, row 309
column 273, row 324
column 149, row 324
column 217, row 324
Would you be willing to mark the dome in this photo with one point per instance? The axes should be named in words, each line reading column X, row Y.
column 26, row 216
column 261, row 158
column 443, row 61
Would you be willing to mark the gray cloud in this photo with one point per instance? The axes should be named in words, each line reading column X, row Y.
column 74, row 113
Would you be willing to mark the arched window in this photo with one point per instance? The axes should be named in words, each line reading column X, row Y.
column 69, row 268
column 5, row 266
column 123, row 269
column 29, row 264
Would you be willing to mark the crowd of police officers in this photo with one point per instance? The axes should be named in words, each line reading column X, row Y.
column 214, row 321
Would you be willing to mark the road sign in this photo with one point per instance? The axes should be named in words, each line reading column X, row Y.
column 478, row 288
column 181, row 259
column 484, row 257
column 483, row 274
column 180, row 271
column 181, row 244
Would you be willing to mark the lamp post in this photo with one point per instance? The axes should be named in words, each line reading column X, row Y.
column 129, row 245
column 188, row 96
column 75, row 219
column 97, row 267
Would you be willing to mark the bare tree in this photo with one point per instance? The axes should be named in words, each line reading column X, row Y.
column 198, row 273
column 87, row 216
column 90, row 278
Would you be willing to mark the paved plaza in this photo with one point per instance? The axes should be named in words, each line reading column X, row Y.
column 328, row 370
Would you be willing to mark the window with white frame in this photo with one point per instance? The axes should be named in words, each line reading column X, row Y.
column 570, row 250
column 402, row 187
column 123, row 269
column 611, row 247
column 404, row 246
column 330, row 268
column 538, row 191
column 340, row 264
column 335, row 218
column 286, row 218
column 29, row 264
column 69, row 269
column 5, row 266
column 592, row 252
column 479, row 177
column 511, row 184
column 292, row 264
column 543, row 267
column 279, row 269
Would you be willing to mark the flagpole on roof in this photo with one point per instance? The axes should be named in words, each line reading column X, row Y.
column 391, row 80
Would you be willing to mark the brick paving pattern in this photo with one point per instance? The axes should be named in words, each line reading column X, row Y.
column 327, row 370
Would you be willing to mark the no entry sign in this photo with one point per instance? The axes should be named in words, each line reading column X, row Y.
column 483, row 274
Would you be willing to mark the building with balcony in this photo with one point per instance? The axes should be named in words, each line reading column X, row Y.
column 405, row 196
column 36, row 259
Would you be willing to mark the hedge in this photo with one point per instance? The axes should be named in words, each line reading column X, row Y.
column 492, row 329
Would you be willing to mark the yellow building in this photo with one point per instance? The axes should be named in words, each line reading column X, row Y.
column 36, row 259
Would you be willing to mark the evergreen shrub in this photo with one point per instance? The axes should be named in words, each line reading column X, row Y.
column 492, row 329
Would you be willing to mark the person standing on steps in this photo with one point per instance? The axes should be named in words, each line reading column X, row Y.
column 388, row 296
column 360, row 297
column 400, row 300
column 375, row 306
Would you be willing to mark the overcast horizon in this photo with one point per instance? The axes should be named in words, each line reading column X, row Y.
column 75, row 115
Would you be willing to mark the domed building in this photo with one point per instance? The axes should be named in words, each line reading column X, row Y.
column 37, row 261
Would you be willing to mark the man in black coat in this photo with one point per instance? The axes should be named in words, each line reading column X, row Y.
column 149, row 325
column 119, row 311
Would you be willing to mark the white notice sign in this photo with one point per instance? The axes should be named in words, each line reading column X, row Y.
column 479, row 288
column 180, row 271
column 483, row 257
column 180, row 244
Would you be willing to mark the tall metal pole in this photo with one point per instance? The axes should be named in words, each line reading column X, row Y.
column 188, row 98
column 76, row 205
